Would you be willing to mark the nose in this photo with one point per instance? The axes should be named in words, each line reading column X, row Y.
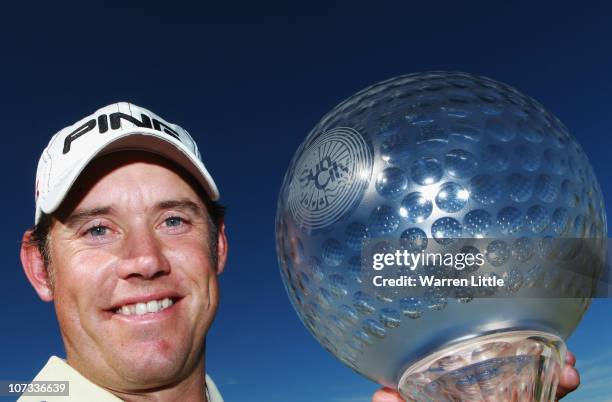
column 142, row 257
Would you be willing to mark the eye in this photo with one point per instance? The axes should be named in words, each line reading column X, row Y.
column 97, row 231
column 174, row 221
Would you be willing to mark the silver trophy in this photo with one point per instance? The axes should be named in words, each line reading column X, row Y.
column 443, row 161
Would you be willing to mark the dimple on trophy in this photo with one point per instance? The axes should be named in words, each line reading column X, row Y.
column 440, row 163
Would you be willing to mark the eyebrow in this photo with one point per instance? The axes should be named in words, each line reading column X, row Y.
column 181, row 204
column 82, row 215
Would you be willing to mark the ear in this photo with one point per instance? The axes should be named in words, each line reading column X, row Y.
column 34, row 268
column 221, row 248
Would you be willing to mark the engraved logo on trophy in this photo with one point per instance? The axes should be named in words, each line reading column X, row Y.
column 330, row 177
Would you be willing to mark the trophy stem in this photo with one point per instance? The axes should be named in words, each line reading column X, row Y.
column 522, row 366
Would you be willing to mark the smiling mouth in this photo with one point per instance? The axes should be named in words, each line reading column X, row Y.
column 152, row 306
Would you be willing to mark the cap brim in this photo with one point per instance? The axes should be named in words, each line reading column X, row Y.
column 154, row 142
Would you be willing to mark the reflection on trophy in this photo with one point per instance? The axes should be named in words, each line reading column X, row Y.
column 443, row 163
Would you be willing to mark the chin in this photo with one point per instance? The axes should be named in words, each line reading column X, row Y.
column 151, row 367
column 152, row 377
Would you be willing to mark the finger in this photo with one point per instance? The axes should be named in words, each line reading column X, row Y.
column 570, row 358
column 569, row 381
column 387, row 395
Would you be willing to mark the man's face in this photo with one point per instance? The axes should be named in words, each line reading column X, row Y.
column 132, row 238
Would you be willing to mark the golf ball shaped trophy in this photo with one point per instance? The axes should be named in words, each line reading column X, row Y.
column 448, row 165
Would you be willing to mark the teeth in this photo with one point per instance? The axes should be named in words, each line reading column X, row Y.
column 141, row 308
column 152, row 306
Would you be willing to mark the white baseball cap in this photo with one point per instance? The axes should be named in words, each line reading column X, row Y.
column 116, row 127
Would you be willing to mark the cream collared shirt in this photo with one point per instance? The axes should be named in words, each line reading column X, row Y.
column 81, row 389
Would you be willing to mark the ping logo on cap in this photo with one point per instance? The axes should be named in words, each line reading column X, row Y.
column 102, row 125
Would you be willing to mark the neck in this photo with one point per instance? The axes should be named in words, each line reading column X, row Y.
column 189, row 389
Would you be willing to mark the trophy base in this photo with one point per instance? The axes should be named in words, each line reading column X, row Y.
column 508, row 366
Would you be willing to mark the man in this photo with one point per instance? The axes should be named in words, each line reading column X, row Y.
column 128, row 242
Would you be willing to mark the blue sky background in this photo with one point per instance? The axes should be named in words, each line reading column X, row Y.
column 249, row 80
